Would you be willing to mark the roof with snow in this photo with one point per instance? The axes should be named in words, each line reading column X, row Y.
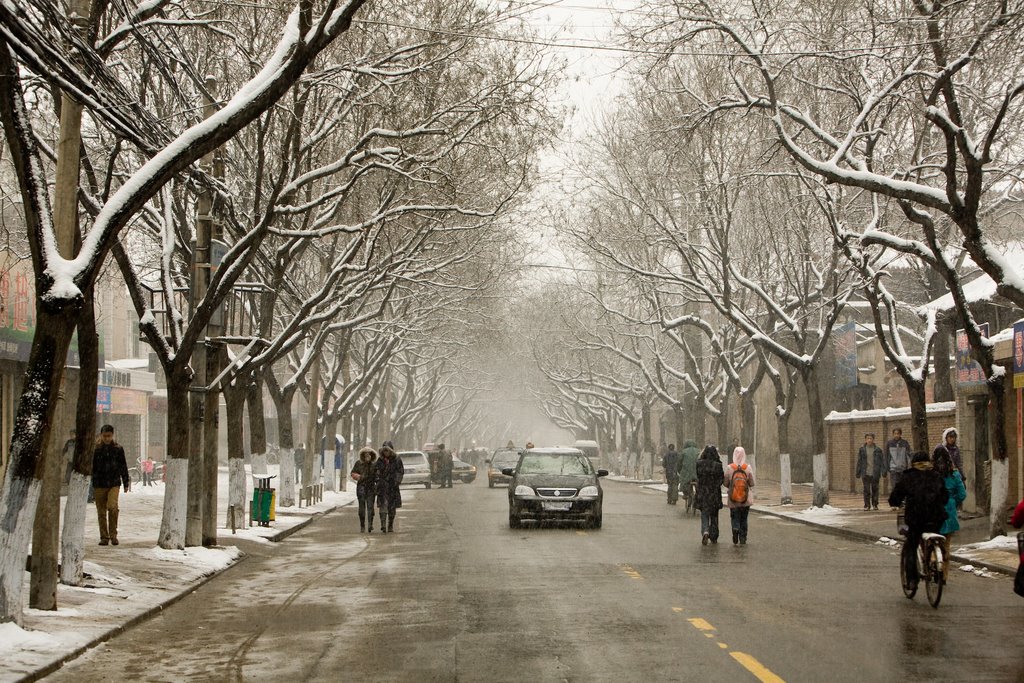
column 981, row 288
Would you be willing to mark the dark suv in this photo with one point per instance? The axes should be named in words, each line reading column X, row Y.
column 554, row 484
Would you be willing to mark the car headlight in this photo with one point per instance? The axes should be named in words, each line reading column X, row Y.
column 524, row 490
column 588, row 492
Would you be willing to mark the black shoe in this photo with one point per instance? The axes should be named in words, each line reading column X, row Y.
column 714, row 541
column 735, row 537
column 743, row 541
column 362, row 528
column 370, row 531
column 113, row 541
column 104, row 541
column 705, row 538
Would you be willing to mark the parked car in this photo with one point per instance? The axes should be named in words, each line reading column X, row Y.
column 417, row 469
column 463, row 471
column 555, row 484
column 501, row 458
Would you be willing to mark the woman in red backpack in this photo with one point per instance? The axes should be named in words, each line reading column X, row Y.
column 740, row 479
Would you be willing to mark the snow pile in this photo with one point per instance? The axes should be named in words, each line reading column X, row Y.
column 971, row 569
column 14, row 638
column 997, row 543
column 204, row 561
column 885, row 540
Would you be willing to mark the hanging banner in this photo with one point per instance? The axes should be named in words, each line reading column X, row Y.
column 1018, row 355
column 844, row 344
column 969, row 372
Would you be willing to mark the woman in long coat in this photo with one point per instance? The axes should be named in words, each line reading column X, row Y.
column 389, row 473
column 710, row 477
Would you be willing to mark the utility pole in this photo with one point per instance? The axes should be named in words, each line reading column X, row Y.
column 197, row 480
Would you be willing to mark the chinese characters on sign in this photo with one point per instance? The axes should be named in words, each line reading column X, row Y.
column 968, row 371
column 1018, row 355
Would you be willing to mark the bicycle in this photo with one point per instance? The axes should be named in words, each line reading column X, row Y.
column 930, row 557
column 691, row 497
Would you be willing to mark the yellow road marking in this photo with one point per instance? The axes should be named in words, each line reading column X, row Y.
column 755, row 667
column 701, row 624
column 723, row 646
column 677, row 609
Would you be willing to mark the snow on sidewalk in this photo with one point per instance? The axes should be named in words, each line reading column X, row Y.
column 124, row 582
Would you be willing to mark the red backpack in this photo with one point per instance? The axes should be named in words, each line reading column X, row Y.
column 739, row 484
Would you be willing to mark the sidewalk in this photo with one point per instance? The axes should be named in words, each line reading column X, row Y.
column 128, row 583
column 845, row 516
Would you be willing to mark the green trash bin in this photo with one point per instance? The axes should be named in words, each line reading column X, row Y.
column 264, row 499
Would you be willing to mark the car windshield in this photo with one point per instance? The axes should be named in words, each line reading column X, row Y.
column 555, row 463
column 413, row 458
column 505, row 459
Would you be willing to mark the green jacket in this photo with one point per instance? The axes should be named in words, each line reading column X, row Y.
column 687, row 466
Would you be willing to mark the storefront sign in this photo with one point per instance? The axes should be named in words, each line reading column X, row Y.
column 103, row 399
column 1018, row 355
column 968, row 371
column 129, row 402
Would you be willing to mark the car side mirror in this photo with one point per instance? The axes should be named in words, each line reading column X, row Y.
column 602, row 473
column 509, row 471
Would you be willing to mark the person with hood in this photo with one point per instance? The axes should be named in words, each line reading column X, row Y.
column 687, row 466
column 670, row 462
column 870, row 469
column 388, row 472
column 109, row 473
column 739, row 478
column 366, row 486
column 957, row 493
column 923, row 492
column 710, row 477
column 897, row 453
column 949, row 445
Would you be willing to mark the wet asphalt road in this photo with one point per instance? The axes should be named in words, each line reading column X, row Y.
column 455, row 595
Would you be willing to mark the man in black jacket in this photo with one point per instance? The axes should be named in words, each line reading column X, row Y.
column 109, row 473
column 925, row 494
column 670, row 461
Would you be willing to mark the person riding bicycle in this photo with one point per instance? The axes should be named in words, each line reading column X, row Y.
column 924, row 492
column 686, row 467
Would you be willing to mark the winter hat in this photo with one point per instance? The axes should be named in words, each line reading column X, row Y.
column 739, row 456
column 388, row 444
column 920, row 456
column 710, row 453
column 951, row 430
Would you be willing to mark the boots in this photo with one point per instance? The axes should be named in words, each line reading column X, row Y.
column 383, row 523
column 391, row 522
column 371, row 524
column 362, row 524
column 112, row 525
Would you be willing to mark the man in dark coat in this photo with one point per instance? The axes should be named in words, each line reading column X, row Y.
column 109, row 473
column 870, row 468
column 389, row 472
column 710, row 477
column 445, row 465
column 923, row 491
column 670, row 461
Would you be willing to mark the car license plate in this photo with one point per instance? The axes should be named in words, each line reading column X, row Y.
column 556, row 506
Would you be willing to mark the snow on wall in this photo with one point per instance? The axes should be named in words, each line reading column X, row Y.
column 836, row 416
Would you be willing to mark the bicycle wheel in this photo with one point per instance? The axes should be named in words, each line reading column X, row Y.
column 135, row 475
column 933, row 575
column 909, row 589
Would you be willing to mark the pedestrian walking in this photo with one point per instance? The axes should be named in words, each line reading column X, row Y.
column 710, row 477
column 146, row 465
column 363, row 473
column 670, row 461
column 388, row 472
column 687, row 466
column 445, row 465
column 109, row 473
column 300, row 462
column 870, row 468
column 924, row 493
column 950, row 446
column 897, row 450
column 957, row 493
column 740, row 480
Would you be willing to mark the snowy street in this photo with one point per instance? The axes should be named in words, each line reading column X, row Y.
column 456, row 595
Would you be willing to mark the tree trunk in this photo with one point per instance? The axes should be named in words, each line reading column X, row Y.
column 329, row 448
column 234, row 399
column 172, row 525
column 31, row 435
column 679, row 418
column 257, row 426
column 286, row 438
column 72, row 539
column 918, row 415
column 1000, row 469
column 42, row 589
column 196, row 470
column 943, row 382
column 820, row 463
column 211, row 445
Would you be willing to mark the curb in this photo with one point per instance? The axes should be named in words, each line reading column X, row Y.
column 853, row 534
column 156, row 609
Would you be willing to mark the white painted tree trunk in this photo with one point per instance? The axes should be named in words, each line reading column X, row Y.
column 286, row 490
column 72, row 535
column 1000, row 489
column 785, row 479
column 330, row 472
column 17, row 510
column 259, row 463
column 172, row 525
column 236, row 491
column 820, row 464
